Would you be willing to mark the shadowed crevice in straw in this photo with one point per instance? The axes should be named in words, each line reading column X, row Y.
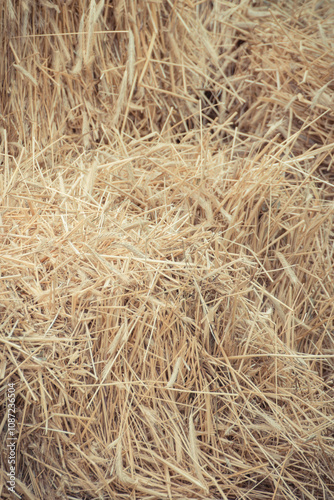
column 166, row 248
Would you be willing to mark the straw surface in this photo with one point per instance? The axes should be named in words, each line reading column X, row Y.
column 166, row 249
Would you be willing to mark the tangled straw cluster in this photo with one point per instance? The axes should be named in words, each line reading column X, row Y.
column 166, row 288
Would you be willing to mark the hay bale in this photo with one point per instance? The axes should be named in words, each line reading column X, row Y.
column 166, row 249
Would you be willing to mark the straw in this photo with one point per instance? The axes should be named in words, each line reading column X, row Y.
column 166, row 262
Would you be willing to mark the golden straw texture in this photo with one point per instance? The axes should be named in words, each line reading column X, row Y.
column 166, row 248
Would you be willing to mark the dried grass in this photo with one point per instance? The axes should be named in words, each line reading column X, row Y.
column 166, row 253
